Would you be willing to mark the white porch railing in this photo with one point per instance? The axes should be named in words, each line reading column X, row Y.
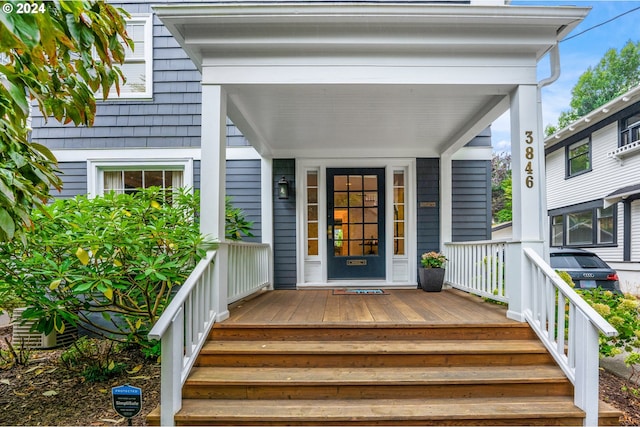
column 248, row 269
column 477, row 267
column 185, row 324
column 569, row 327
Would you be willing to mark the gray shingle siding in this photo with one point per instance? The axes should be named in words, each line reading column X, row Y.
column 471, row 200
column 244, row 187
column 170, row 119
column 428, row 193
column 482, row 140
column 74, row 176
column 284, row 226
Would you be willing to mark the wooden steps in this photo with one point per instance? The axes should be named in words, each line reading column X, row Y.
column 408, row 358
column 498, row 374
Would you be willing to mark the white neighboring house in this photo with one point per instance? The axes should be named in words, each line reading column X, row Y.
column 593, row 186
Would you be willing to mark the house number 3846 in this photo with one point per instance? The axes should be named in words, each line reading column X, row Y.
column 528, row 155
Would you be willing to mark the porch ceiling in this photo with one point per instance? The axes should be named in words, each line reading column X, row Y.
column 355, row 120
column 337, row 79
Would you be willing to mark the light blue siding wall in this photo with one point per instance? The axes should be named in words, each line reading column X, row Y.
column 471, row 198
column 284, row 226
column 244, row 187
column 74, row 177
column 428, row 193
column 170, row 119
column 471, row 195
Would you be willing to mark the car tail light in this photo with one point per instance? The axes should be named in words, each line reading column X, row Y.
column 613, row 276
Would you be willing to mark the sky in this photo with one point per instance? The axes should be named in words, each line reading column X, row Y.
column 576, row 55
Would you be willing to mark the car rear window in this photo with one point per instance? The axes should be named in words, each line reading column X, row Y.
column 577, row 261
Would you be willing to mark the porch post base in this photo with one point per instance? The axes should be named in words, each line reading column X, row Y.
column 514, row 315
column 222, row 316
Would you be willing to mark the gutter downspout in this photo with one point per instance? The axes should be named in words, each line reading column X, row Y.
column 555, row 74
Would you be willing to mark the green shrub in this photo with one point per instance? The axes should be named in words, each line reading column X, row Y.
column 110, row 262
column 623, row 313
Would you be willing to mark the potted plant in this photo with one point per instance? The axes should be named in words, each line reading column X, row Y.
column 432, row 272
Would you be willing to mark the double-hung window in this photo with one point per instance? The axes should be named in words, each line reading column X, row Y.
column 630, row 130
column 138, row 62
column 579, row 157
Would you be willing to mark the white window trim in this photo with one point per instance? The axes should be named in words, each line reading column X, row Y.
column 96, row 168
column 321, row 165
column 147, row 20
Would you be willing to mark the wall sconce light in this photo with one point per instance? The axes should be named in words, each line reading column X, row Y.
column 283, row 188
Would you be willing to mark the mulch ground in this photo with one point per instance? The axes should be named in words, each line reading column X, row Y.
column 44, row 392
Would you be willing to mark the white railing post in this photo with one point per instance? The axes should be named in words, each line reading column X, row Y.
column 220, row 278
column 170, row 369
column 587, row 369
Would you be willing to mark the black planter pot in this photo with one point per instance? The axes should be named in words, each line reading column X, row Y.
column 431, row 279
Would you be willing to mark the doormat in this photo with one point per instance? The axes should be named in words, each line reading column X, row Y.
column 360, row 292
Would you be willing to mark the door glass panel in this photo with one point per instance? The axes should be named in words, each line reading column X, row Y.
column 312, row 212
column 355, row 215
column 355, row 183
column 340, row 200
column 340, row 183
column 398, row 212
column 371, row 215
column 312, row 195
column 370, row 183
column 355, row 199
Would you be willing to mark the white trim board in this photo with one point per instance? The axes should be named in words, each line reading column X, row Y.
column 82, row 155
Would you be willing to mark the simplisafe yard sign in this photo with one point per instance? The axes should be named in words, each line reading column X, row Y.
column 127, row 400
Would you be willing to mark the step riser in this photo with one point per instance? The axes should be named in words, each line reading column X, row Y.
column 560, row 421
column 377, row 392
column 371, row 360
column 379, row 334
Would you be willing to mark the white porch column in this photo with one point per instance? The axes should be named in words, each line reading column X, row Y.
column 527, row 161
column 446, row 199
column 212, row 184
column 266, row 170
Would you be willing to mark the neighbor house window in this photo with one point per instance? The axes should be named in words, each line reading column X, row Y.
column 399, row 209
column 557, row 230
column 579, row 158
column 605, row 225
column 138, row 63
column 630, row 130
column 580, row 228
column 584, row 227
column 312, row 213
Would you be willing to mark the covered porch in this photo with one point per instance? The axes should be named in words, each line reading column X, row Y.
column 373, row 90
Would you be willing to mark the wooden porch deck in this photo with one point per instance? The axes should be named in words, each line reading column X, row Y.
column 397, row 308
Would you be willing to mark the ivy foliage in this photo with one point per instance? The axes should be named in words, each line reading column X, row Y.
column 56, row 59
column 111, row 263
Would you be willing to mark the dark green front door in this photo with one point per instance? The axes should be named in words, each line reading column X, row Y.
column 355, row 207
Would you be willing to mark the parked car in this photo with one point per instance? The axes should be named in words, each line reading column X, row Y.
column 585, row 268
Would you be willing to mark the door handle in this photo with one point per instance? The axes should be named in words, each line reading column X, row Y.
column 330, row 232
